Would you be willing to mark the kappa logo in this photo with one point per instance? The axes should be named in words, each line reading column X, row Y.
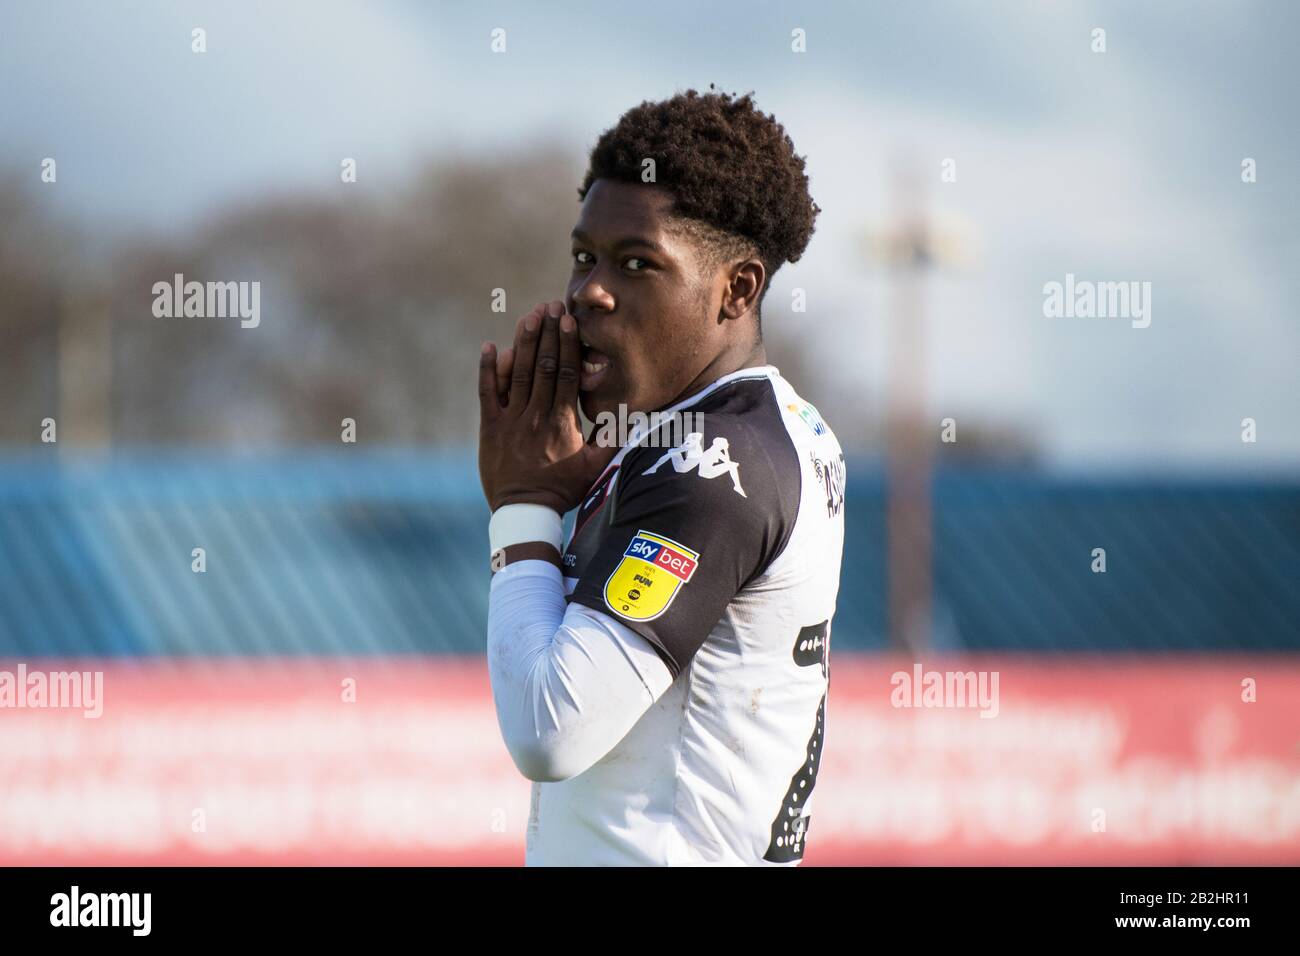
column 652, row 571
column 710, row 462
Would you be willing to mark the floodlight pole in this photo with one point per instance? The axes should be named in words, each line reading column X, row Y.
column 908, row 435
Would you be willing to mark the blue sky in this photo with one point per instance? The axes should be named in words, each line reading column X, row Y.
column 1116, row 166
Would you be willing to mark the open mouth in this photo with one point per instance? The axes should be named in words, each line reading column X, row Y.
column 595, row 367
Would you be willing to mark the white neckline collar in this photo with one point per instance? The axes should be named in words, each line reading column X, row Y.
column 753, row 371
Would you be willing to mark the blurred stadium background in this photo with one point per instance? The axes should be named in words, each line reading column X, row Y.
column 318, row 693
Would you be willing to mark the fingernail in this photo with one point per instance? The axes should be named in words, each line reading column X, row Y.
column 530, row 323
column 487, row 347
column 553, row 309
column 567, row 324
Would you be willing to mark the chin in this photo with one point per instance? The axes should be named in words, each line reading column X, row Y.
column 590, row 405
column 594, row 403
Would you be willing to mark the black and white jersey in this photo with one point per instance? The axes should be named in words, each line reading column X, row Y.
column 717, row 538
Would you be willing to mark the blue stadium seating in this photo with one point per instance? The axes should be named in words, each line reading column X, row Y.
column 345, row 552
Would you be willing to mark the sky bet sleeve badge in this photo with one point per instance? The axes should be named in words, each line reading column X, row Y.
column 648, row 578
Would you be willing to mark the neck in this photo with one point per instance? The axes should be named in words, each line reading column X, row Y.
column 724, row 364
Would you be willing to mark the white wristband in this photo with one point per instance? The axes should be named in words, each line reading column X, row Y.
column 519, row 524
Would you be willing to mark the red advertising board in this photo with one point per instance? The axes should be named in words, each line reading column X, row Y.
column 399, row 761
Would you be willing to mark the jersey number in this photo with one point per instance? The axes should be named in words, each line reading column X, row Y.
column 790, row 828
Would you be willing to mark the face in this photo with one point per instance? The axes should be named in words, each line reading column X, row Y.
column 646, row 310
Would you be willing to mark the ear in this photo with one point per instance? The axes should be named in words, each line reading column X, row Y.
column 743, row 288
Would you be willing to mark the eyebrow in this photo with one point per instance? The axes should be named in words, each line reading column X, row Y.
column 623, row 243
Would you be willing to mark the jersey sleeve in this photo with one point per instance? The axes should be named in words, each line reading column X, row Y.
column 689, row 528
column 568, row 683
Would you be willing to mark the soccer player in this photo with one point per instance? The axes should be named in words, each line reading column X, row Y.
column 662, row 674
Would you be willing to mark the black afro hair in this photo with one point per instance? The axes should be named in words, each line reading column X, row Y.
column 738, row 187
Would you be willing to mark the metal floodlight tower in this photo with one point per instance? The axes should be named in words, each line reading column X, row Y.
column 909, row 246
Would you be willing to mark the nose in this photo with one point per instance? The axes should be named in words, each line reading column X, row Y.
column 590, row 296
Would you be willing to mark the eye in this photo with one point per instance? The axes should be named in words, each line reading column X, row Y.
column 578, row 260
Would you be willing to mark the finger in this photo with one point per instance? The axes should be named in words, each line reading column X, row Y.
column 488, row 404
column 570, row 371
column 548, row 361
column 505, row 362
column 521, row 377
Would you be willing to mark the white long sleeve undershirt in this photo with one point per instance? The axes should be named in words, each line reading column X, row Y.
column 568, row 683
